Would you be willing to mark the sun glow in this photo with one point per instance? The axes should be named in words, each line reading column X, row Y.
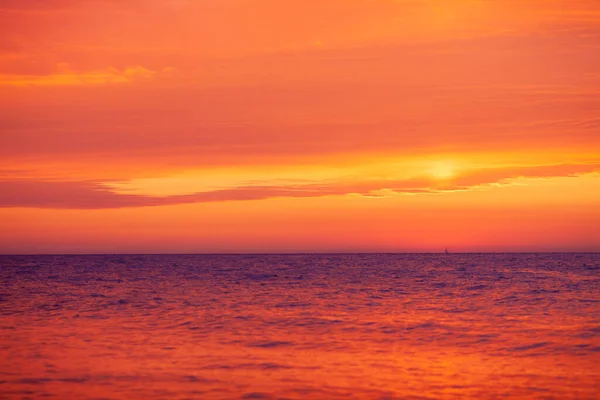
column 443, row 170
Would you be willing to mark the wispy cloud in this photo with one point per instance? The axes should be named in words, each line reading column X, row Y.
column 65, row 76
column 99, row 195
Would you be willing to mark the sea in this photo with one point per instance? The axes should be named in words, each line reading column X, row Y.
column 300, row 326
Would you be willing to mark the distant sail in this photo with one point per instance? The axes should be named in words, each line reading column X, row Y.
column 446, row 251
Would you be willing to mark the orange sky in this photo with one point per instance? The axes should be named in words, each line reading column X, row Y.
column 299, row 125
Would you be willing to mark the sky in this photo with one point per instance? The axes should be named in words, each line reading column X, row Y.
column 211, row 126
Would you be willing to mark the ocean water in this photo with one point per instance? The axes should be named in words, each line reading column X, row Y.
column 363, row 326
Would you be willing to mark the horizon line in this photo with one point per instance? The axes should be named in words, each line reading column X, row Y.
column 298, row 253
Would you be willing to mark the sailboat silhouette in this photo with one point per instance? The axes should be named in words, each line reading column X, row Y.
column 446, row 251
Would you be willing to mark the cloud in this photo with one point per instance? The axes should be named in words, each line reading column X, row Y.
column 489, row 92
column 65, row 76
column 97, row 195
column 36, row 5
